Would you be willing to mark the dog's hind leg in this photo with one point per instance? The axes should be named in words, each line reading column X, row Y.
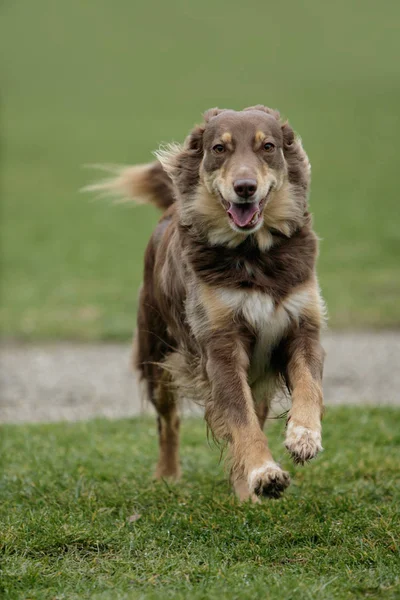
column 151, row 347
column 165, row 402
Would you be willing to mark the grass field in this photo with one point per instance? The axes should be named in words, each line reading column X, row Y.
column 82, row 518
column 86, row 82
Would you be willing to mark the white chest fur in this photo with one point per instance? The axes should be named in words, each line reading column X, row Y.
column 268, row 321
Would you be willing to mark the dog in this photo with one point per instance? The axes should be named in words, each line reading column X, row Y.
column 230, row 309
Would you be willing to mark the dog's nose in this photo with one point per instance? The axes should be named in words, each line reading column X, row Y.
column 245, row 188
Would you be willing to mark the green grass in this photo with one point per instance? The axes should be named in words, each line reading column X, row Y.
column 68, row 490
column 108, row 81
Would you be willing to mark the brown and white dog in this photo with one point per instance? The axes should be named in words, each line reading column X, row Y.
column 230, row 309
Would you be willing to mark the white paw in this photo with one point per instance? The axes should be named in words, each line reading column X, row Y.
column 303, row 443
column 269, row 480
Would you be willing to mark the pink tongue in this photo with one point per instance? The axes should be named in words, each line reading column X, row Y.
column 242, row 214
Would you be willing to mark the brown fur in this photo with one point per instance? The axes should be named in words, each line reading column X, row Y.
column 228, row 311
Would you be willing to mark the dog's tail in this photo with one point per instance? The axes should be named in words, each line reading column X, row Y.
column 146, row 184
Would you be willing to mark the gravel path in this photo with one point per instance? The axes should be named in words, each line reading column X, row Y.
column 52, row 382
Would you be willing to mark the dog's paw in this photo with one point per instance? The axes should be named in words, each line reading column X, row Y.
column 268, row 481
column 302, row 443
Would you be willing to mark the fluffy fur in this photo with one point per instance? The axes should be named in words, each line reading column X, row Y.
column 230, row 308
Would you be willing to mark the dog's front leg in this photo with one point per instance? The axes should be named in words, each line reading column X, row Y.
column 305, row 358
column 231, row 416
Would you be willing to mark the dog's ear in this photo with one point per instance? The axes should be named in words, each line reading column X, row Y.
column 194, row 140
column 299, row 169
column 212, row 112
column 182, row 161
column 288, row 135
column 168, row 154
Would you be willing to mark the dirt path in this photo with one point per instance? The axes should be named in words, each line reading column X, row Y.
column 52, row 382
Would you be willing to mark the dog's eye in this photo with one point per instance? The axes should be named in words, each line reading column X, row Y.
column 269, row 147
column 218, row 148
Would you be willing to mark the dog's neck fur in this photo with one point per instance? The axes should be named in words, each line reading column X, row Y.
column 288, row 262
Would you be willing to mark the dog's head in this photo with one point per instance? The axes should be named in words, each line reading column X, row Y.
column 240, row 173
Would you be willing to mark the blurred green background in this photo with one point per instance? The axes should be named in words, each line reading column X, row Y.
column 100, row 81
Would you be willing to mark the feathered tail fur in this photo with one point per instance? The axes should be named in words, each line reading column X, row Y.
column 146, row 184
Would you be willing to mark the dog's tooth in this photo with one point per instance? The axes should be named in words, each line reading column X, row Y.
column 255, row 218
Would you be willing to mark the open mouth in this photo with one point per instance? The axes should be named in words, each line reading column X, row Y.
column 245, row 215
